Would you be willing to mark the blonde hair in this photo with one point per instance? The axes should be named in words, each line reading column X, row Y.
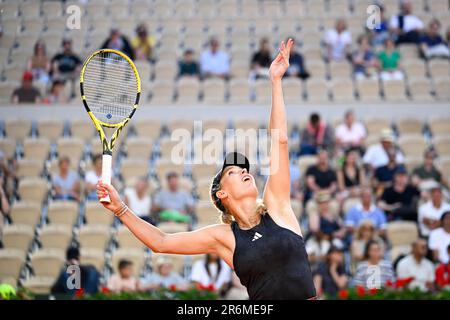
column 227, row 218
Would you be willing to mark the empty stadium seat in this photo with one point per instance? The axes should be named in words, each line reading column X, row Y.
column 39, row 285
column 8, row 147
column 51, row 129
column 29, row 168
column 33, row 189
column 94, row 236
column 188, row 90
column 47, row 262
column 410, row 126
column 25, row 213
column 368, row 90
column 442, row 145
column 18, row 236
column 55, row 236
column 91, row 256
column 96, row 214
column 36, row 148
column 17, row 129
column 63, row 212
column 82, row 129
column 440, row 126
column 70, row 147
column 412, row 146
column 139, row 147
column 402, row 232
column 134, row 168
column 11, row 262
column 394, row 90
column 213, row 91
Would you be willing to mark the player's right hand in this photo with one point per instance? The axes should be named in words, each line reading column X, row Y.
column 107, row 189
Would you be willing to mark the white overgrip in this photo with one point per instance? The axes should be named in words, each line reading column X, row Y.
column 106, row 173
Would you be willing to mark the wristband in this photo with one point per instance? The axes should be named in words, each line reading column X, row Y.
column 123, row 209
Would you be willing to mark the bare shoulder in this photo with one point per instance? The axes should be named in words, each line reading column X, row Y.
column 224, row 238
column 285, row 217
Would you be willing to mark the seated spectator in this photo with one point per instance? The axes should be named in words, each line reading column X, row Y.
column 400, row 200
column 138, row 199
column 405, row 26
column 89, row 276
column 338, row 42
column 214, row 62
column 124, row 280
column 377, row 154
column 365, row 232
column 417, row 266
column 381, row 30
column 351, row 134
column 66, row 184
column 173, row 204
column 427, row 171
column 163, row 277
column 188, row 67
column 143, row 44
column 118, row 41
column 57, row 94
column 66, row 65
column 373, row 257
column 261, row 60
column 39, row 64
column 431, row 43
column 366, row 211
column 350, row 177
column 330, row 276
column 297, row 66
column 443, row 273
column 439, row 240
column 364, row 60
column 26, row 93
column 430, row 212
column 296, row 182
column 237, row 290
column 212, row 271
column 389, row 59
column 384, row 175
column 317, row 135
column 92, row 177
column 320, row 177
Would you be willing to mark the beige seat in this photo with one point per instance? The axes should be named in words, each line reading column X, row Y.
column 63, row 212
column 95, row 257
column 213, row 91
column 51, row 9
column 173, row 227
column 412, row 162
column 292, row 89
column 18, row 236
column 126, row 239
column 204, row 171
column 305, row 162
column 443, row 89
column 11, row 262
column 444, row 165
column 318, row 69
column 17, row 129
column 375, row 125
column 25, row 213
column 96, row 214
column 51, row 129
column 188, row 90
column 239, row 91
column 165, row 70
column 134, row 168
column 29, row 168
column 93, row 236
column 415, row 69
column 82, row 129
column 148, row 129
column 340, row 70
column 263, row 91
column 442, row 145
column 56, row 236
column 216, row 124
column 8, row 147
column 181, row 124
column 136, row 256
column 36, row 148
column 397, row 251
column 163, row 167
column 394, row 90
column 39, row 285
column 139, row 147
column 440, row 126
column 6, row 89
column 14, row 72
column 174, row 149
column 33, row 189
column 368, row 90
column 402, row 232
column 439, row 68
column 317, row 90
column 350, row 203
column 412, row 146
column 410, row 126
column 312, row 208
column 207, row 213
column 420, row 90
column 178, row 261
column 47, row 262
column 343, row 90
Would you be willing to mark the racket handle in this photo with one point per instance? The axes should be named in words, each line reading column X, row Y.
column 106, row 174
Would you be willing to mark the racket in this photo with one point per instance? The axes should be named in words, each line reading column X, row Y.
column 110, row 90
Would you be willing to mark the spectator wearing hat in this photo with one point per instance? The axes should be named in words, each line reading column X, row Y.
column 320, row 177
column 417, row 266
column 443, row 273
column 66, row 65
column 143, row 44
column 405, row 26
column 315, row 136
column 351, row 134
column 163, row 277
column 430, row 212
column 365, row 232
column 26, row 93
column 439, row 240
column 400, row 200
column 118, row 41
column 427, row 171
column 66, row 183
column 377, row 154
column 338, row 42
column 330, row 276
column 124, row 280
column 432, row 45
column 214, row 62
column 187, row 66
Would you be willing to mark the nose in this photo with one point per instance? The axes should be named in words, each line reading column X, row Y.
column 244, row 171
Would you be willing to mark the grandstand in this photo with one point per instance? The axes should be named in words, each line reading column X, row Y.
column 34, row 137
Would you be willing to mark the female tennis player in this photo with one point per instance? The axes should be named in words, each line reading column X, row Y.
column 260, row 240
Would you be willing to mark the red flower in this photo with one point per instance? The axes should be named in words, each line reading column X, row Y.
column 105, row 290
column 343, row 294
column 373, row 291
column 79, row 293
column 210, row 287
column 199, row 286
column 173, row 287
column 389, row 284
column 401, row 283
column 360, row 291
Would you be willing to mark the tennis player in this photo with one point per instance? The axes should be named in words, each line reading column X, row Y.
column 260, row 240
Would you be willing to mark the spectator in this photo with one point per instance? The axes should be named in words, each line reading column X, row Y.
column 365, row 232
column 214, row 62
column 89, row 275
column 439, row 240
column 405, row 26
column 4, row 207
column 26, row 93
column 164, row 277
column 366, row 211
column 381, row 31
column 261, row 60
column 296, row 185
column 373, row 257
column 143, row 44
column 118, row 41
column 400, row 200
column 39, row 64
column 350, row 177
column 320, row 177
column 430, row 212
column 66, row 65
column 338, row 42
column 57, row 94
column 66, row 184
column 330, row 276
column 124, row 280
column 173, row 204
column 427, row 171
column 384, row 175
column 317, row 135
column 212, row 271
column 297, row 66
column 92, row 177
column 138, row 199
column 188, row 67
column 443, row 273
column 389, row 58
column 364, row 60
column 431, row 43
column 351, row 134
column 415, row 265
column 377, row 155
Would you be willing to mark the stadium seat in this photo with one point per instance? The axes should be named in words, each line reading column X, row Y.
column 39, row 285
column 63, row 212
column 51, row 9
column 188, row 90
column 162, row 92
column 340, row 70
column 297, row 207
column 439, row 69
column 317, row 91
column 411, row 162
column 11, row 262
column 440, row 126
column 174, row 148
column 213, row 91
column 165, row 165
column 139, row 147
column 442, row 145
column 126, row 240
column 444, row 165
column 96, row 214
column 134, row 168
column 408, row 126
column 18, row 236
column 136, row 256
column 33, row 189
column 342, row 90
column 305, row 162
column 17, row 129
column 420, row 90
column 25, row 213
column 93, row 236
column 415, row 69
column 56, row 236
column 8, row 147
column 413, row 145
column 375, row 125
column 173, row 227
column 51, row 129
column 202, row 171
column 6, row 90
column 94, row 257
column 239, row 90
column 29, row 168
column 394, row 90
column 33, row 25
column 148, row 129
column 350, row 203
column 402, row 232
column 442, row 86
column 368, row 90
column 47, row 262
column 71, row 147
column 311, row 208
column 82, row 129
column 263, row 91
column 292, row 90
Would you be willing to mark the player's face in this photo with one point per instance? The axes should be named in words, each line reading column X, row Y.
column 238, row 183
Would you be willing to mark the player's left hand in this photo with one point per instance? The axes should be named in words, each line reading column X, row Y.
column 281, row 62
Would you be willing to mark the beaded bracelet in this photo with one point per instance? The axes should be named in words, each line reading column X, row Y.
column 121, row 211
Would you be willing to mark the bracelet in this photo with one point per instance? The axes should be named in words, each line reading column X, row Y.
column 121, row 211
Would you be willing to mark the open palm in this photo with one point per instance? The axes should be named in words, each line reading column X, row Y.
column 281, row 62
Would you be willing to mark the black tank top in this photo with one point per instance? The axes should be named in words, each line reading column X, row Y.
column 271, row 261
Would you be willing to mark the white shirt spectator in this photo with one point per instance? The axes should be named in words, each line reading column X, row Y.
column 428, row 210
column 217, row 63
column 422, row 272
column 199, row 274
column 91, row 177
column 141, row 207
column 410, row 23
column 338, row 43
column 352, row 135
column 439, row 240
column 376, row 156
